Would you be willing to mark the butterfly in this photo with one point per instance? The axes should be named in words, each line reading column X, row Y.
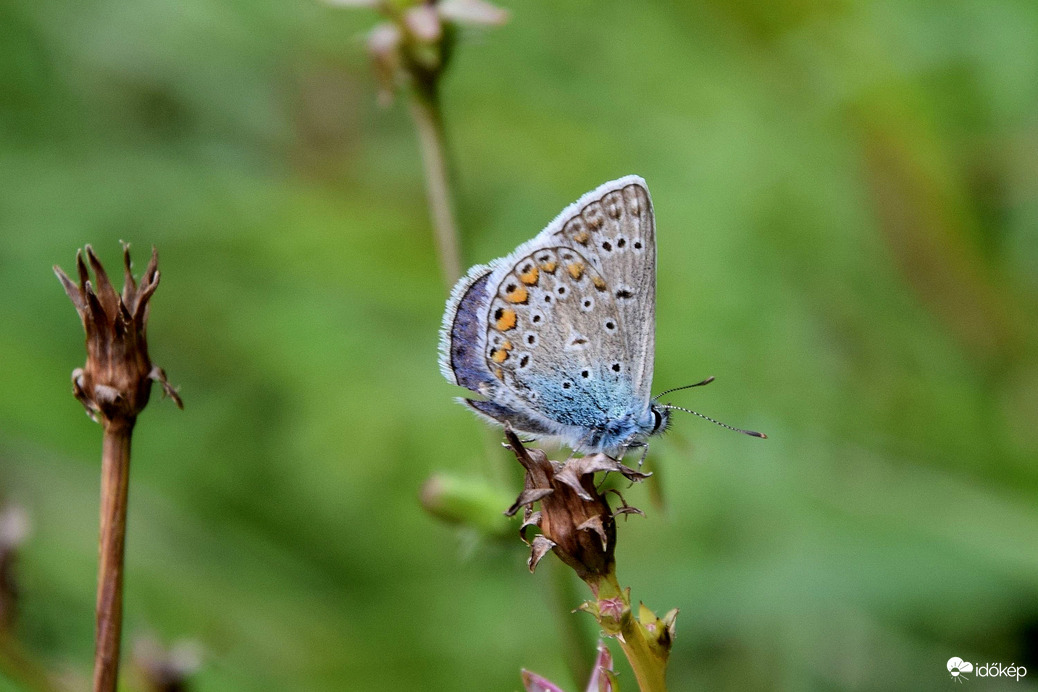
column 558, row 337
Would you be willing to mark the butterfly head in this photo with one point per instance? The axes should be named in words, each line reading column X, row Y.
column 660, row 419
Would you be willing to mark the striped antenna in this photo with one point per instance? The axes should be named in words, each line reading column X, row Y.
column 687, row 386
column 751, row 433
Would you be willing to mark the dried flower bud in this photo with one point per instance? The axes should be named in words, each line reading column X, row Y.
column 575, row 520
column 602, row 678
column 116, row 381
column 412, row 47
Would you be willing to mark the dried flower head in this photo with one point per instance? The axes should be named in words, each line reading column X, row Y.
column 575, row 519
column 116, row 381
column 415, row 42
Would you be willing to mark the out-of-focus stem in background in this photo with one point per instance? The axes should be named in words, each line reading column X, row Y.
column 428, row 123
column 410, row 52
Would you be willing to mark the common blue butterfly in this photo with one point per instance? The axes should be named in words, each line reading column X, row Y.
column 558, row 337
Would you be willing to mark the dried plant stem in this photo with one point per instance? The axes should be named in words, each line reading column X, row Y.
column 650, row 670
column 115, row 484
column 425, row 110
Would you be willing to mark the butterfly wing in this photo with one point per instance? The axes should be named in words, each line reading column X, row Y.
column 554, row 340
column 615, row 228
column 559, row 335
column 462, row 339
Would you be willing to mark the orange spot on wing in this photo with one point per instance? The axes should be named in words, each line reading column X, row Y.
column 576, row 270
column 506, row 321
column 518, row 295
column 549, row 266
column 582, row 237
column 530, row 278
column 599, row 283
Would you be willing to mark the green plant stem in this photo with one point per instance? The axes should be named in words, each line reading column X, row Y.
column 650, row 670
column 115, row 485
column 425, row 110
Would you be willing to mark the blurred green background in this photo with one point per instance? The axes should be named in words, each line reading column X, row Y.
column 847, row 205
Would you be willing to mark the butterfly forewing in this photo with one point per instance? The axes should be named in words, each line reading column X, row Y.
column 614, row 227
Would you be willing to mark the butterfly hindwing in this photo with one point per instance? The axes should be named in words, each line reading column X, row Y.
column 554, row 339
column 462, row 361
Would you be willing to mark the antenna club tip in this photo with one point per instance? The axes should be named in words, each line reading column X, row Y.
column 760, row 435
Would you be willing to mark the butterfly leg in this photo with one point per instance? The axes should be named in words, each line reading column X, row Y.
column 645, row 452
column 524, row 440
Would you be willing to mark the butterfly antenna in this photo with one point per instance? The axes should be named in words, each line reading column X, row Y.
column 687, row 386
column 751, row 433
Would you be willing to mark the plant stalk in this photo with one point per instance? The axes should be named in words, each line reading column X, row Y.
column 650, row 670
column 115, row 485
column 425, row 110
